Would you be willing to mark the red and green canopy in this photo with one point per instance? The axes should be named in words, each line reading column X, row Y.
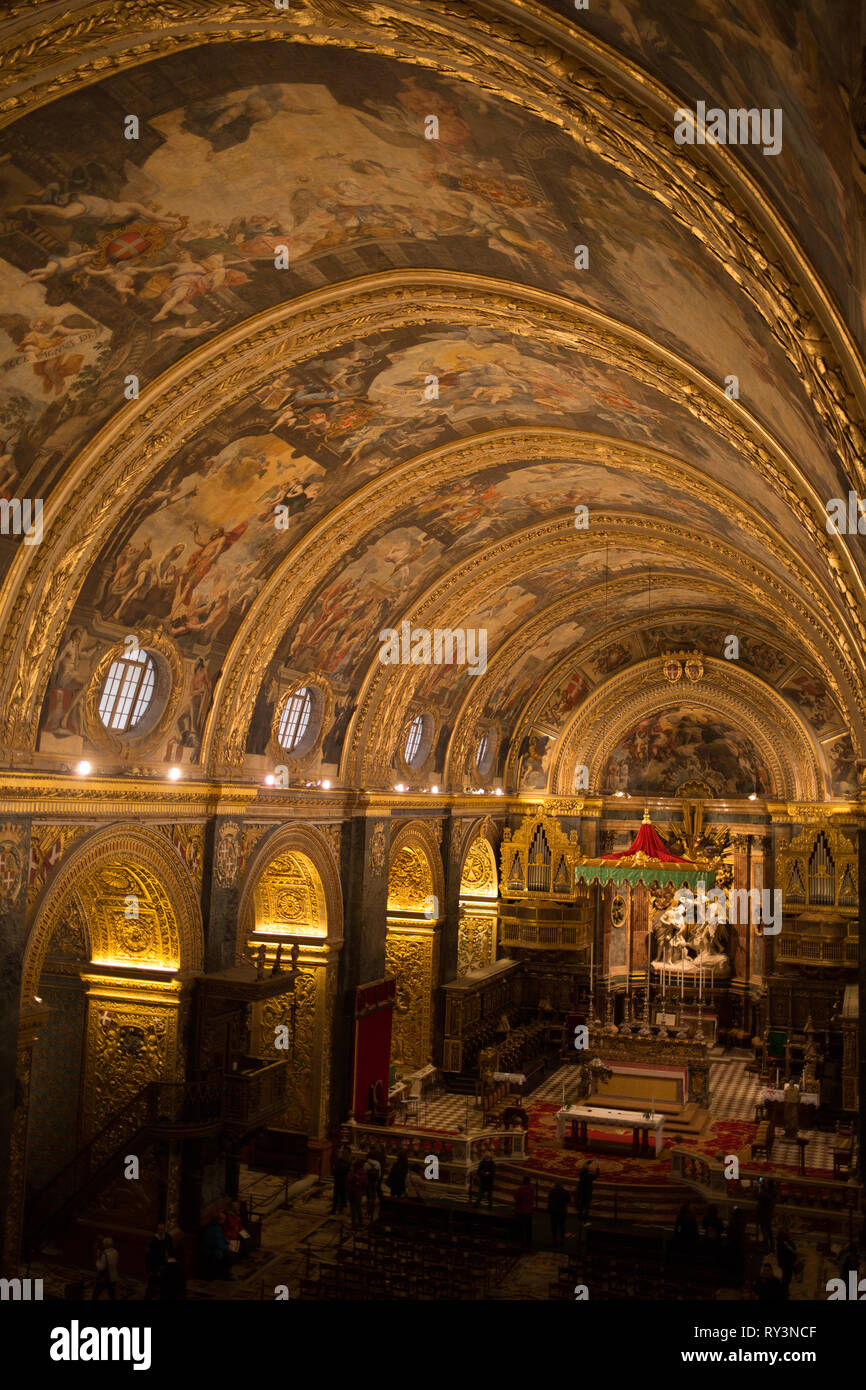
column 647, row 860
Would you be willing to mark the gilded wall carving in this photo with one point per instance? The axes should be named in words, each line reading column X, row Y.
column 173, row 915
column 131, row 1040
column 412, row 958
column 289, row 897
column 70, row 935
column 48, row 844
column 479, row 870
column 410, row 882
column 300, row 1013
column 476, row 943
column 12, row 865
column 228, row 855
column 377, row 847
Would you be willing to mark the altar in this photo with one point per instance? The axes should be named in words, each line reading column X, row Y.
column 581, row 1117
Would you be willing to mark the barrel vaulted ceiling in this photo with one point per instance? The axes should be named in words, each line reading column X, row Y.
column 433, row 386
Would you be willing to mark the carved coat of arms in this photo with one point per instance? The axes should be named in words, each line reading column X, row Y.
column 228, row 855
column 11, row 864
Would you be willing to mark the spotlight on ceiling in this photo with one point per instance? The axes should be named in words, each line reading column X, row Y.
column 619, row 793
column 327, row 784
column 498, row 791
column 174, row 773
column 399, row 787
column 270, row 780
column 84, row 768
column 753, row 796
column 435, row 791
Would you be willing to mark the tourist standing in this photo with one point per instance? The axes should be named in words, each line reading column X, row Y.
column 557, row 1207
column 342, row 1168
column 524, row 1206
column 764, row 1212
column 106, row 1269
column 486, row 1179
column 157, row 1253
column 584, row 1188
column 356, row 1186
column 373, row 1172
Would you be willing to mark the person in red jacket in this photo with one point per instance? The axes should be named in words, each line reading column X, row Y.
column 524, row 1206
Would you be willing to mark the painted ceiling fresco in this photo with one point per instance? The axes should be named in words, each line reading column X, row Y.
column 803, row 58
column 667, row 751
column 117, row 255
column 126, row 259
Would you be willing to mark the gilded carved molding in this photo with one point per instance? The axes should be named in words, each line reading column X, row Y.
column 415, row 871
column 615, row 706
column 556, row 71
column 117, row 849
column 593, row 598
column 412, row 957
column 476, row 943
column 388, row 689
column 313, row 853
column 42, row 585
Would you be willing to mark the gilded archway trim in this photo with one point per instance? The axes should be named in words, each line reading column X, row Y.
column 130, row 845
column 313, row 845
column 786, row 635
column 618, row 704
column 43, row 582
column 388, row 690
column 533, row 59
column 424, row 876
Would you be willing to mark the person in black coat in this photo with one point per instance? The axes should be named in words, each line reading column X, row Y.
column 398, row 1174
column 584, row 1188
column 158, row 1251
column 486, row 1179
column 172, row 1280
column 557, row 1207
column 786, row 1254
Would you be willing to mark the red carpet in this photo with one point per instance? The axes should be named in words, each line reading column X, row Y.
column 721, row 1137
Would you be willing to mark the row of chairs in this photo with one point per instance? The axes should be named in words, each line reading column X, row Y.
column 384, row 1264
column 630, row 1274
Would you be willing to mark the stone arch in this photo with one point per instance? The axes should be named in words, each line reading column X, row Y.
column 797, row 770
column 416, row 900
column 121, row 860
column 301, row 857
column 479, row 894
column 291, row 891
